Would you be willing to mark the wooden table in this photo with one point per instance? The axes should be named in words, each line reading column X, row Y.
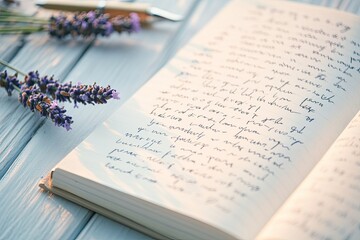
column 30, row 146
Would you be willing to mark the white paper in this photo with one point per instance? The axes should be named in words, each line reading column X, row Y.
column 327, row 203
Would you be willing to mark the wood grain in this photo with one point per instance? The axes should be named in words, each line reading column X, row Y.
column 350, row 6
column 100, row 227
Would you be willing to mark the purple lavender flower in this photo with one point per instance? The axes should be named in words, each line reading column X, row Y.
column 91, row 16
column 31, row 79
column 35, row 100
column 42, row 94
column 108, row 29
column 92, row 24
column 67, row 92
column 48, row 85
column 9, row 82
column 126, row 24
column 135, row 20
column 115, row 95
column 85, row 94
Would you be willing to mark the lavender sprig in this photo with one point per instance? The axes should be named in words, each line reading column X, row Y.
column 92, row 24
column 84, row 24
column 85, row 94
column 67, row 92
column 42, row 94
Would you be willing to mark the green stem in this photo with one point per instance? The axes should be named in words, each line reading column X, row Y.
column 16, row 88
column 12, row 19
column 5, row 12
column 6, row 64
column 21, row 29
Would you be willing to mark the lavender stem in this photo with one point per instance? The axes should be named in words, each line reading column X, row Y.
column 6, row 64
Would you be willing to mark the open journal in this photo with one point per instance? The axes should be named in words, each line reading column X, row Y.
column 235, row 138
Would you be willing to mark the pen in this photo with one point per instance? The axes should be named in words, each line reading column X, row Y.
column 113, row 8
